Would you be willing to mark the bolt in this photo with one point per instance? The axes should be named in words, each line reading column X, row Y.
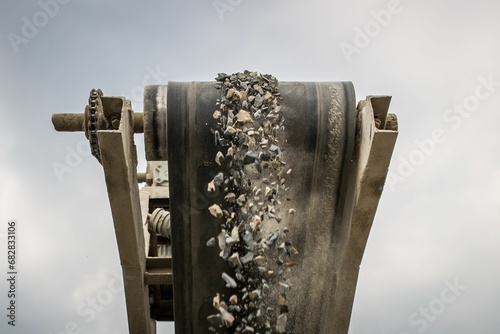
column 116, row 123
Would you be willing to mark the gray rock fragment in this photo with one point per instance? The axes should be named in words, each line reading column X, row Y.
column 221, row 239
column 248, row 238
column 265, row 289
column 219, row 158
column 259, row 260
column 211, row 242
column 241, row 200
column 228, row 317
column 233, row 299
column 235, row 260
column 248, row 330
column 230, row 241
column 256, row 222
column 229, row 131
column 230, row 197
column 247, row 258
column 230, row 282
column 215, row 211
column 258, row 101
column 240, row 277
column 281, row 323
column 243, row 117
column 272, row 237
column 275, row 150
column 219, row 179
column 216, row 320
column 211, row 186
column 249, row 157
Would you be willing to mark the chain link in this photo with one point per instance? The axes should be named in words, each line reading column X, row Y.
column 94, row 99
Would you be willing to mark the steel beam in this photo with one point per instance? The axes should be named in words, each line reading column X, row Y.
column 119, row 164
column 372, row 155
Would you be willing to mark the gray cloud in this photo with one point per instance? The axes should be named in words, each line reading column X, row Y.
column 439, row 224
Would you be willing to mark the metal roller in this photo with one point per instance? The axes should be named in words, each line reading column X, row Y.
column 155, row 122
column 320, row 133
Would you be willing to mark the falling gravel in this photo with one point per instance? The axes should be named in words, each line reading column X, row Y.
column 248, row 126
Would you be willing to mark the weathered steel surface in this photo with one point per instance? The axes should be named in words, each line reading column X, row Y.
column 119, row 164
column 155, row 122
column 371, row 158
column 320, row 141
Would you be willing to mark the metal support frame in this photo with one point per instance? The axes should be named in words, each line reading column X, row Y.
column 373, row 151
column 147, row 271
column 130, row 208
column 119, row 164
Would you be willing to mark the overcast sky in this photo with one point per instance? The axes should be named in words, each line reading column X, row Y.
column 432, row 261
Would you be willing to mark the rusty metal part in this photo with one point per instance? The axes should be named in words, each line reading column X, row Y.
column 391, row 122
column 108, row 112
column 68, row 122
column 138, row 122
column 372, row 154
column 155, row 122
column 101, row 113
column 159, row 221
column 92, row 114
column 129, row 210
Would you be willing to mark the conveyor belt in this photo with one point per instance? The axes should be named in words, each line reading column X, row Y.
column 320, row 121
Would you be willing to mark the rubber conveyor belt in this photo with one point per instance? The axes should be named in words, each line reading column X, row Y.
column 320, row 122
